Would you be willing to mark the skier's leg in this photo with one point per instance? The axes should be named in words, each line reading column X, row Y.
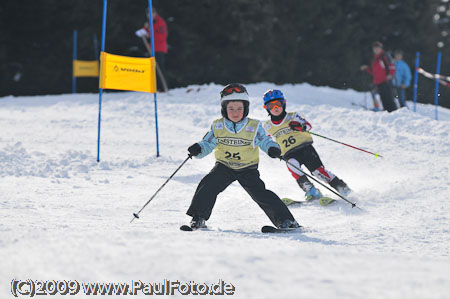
column 315, row 165
column 375, row 94
column 340, row 186
column 402, row 96
column 323, row 174
column 271, row 204
column 305, row 184
column 386, row 96
column 209, row 187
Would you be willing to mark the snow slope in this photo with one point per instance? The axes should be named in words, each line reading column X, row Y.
column 66, row 217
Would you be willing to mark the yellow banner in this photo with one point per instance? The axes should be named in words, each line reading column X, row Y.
column 127, row 73
column 83, row 68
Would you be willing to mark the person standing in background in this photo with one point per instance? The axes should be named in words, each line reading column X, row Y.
column 382, row 71
column 160, row 40
column 402, row 78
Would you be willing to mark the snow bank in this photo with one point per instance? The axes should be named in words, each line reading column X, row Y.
column 66, row 217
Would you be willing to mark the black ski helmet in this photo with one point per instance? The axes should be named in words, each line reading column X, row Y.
column 234, row 92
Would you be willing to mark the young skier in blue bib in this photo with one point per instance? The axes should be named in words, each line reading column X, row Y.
column 290, row 131
column 235, row 139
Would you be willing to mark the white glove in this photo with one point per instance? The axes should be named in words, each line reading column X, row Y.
column 141, row 32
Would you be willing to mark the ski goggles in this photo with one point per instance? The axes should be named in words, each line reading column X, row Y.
column 273, row 105
column 233, row 89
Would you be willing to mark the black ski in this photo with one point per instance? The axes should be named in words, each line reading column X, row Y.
column 187, row 228
column 271, row 229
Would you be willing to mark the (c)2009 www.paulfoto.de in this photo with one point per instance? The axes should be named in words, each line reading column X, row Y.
column 30, row 287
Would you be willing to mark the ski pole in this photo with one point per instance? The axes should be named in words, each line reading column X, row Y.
column 158, row 69
column 136, row 215
column 376, row 155
column 311, row 177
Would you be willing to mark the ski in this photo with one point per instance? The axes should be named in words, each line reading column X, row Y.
column 375, row 109
column 324, row 201
column 360, row 105
column 187, row 228
column 268, row 229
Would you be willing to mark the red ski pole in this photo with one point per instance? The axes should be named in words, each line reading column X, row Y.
column 375, row 154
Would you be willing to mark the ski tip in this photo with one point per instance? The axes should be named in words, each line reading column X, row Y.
column 287, row 201
column 267, row 229
column 186, row 228
column 325, row 201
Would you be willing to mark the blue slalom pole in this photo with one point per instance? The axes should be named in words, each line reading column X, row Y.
column 74, row 79
column 100, row 91
column 416, row 79
column 436, row 88
column 156, row 124
column 153, row 54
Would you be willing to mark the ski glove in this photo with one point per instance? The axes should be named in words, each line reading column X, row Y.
column 195, row 149
column 296, row 126
column 274, row 152
column 141, row 32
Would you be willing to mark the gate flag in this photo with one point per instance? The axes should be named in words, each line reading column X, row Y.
column 85, row 68
column 127, row 73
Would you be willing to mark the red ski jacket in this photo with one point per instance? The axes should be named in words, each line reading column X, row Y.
column 381, row 66
column 160, row 30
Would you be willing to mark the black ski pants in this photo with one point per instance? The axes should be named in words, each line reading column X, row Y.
column 221, row 177
column 387, row 97
column 306, row 155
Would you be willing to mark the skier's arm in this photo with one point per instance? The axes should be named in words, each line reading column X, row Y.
column 299, row 123
column 407, row 80
column 208, row 144
column 390, row 66
column 263, row 140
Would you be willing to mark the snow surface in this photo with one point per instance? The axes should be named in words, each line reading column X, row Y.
column 66, row 217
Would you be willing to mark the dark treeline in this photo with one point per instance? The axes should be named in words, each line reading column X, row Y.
column 321, row 42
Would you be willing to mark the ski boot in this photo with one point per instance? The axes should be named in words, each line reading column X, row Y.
column 340, row 186
column 289, row 224
column 198, row 222
column 312, row 194
column 344, row 191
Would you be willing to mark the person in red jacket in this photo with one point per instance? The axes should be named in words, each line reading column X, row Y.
column 160, row 40
column 382, row 70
